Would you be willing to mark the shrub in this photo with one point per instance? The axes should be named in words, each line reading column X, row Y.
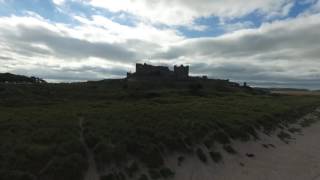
column 91, row 139
column 208, row 143
column 120, row 176
column 180, row 160
column 294, row 130
column 166, row 173
column 152, row 158
column 103, row 152
column 108, row 177
column 154, row 174
column 119, row 154
column 143, row 177
column 132, row 169
column 201, row 155
column 107, row 153
column 67, row 168
column 16, row 175
column 307, row 122
column 229, row 149
column 222, row 137
column 216, row 156
column 284, row 136
column 195, row 89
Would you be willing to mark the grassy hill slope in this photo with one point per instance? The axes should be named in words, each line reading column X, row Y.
column 128, row 127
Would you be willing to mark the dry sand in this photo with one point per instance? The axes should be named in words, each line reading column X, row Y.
column 92, row 173
column 298, row 160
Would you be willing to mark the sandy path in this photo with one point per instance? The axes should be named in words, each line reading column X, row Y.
column 92, row 173
column 298, row 160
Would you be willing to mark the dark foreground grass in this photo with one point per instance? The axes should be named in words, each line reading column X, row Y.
column 39, row 127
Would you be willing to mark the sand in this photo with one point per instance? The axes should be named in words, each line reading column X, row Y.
column 298, row 160
column 92, row 172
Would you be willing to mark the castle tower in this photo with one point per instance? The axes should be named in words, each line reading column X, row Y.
column 181, row 72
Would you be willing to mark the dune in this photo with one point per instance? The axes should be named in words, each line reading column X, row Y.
column 266, row 159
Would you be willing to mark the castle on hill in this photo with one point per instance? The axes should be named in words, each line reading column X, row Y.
column 146, row 71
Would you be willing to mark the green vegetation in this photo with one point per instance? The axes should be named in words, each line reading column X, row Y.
column 143, row 177
column 154, row 174
column 201, row 155
column 12, row 78
column 229, row 149
column 216, row 156
column 284, row 136
column 294, row 130
column 308, row 122
column 166, row 173
column 132, row 169
column 180, row 160
column 40, row 134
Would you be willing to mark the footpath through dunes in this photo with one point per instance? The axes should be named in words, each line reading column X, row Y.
column 92, row 173
column 270, row 158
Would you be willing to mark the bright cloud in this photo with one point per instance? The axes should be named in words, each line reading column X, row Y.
column 184, row 12
column 58, row 2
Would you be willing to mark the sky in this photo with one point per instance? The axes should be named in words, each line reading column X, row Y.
column 267, row 43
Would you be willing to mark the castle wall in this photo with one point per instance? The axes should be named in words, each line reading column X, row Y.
column 145, row 71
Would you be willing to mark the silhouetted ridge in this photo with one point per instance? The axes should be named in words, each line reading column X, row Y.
column 13, row 78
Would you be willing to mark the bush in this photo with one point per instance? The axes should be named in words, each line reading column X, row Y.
column 180, row 160
column 294, row 130
column 108, row 177
column 216, row 156
column 166, row 173
column 152, row 159
column 143, row 177
column 120, row 176
column 113, row 176
column 201, row 155
column 103, row 152
column 229, row 149
column 222, row 137
column 106, row 153
column 195, row 89
column 154, row 174
column 208, row 142
column 132, row 169
column 71, row 167
column 91, row 139
column 284, row 136
column 16, row 175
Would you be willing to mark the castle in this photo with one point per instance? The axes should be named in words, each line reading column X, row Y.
column 146, row 71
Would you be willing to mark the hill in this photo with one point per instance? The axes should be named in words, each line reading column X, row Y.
column 119, row 129
column 12, row 78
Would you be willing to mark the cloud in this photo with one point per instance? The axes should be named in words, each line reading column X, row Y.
column 63, row 47
column 98, row 37
column 141, row 31
column 283, row 51
column 72, row 74
column 184, row 12
column 58, row 2
column 230, row 27
column 35, row 46
column 281, row 38
column 97, row 47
